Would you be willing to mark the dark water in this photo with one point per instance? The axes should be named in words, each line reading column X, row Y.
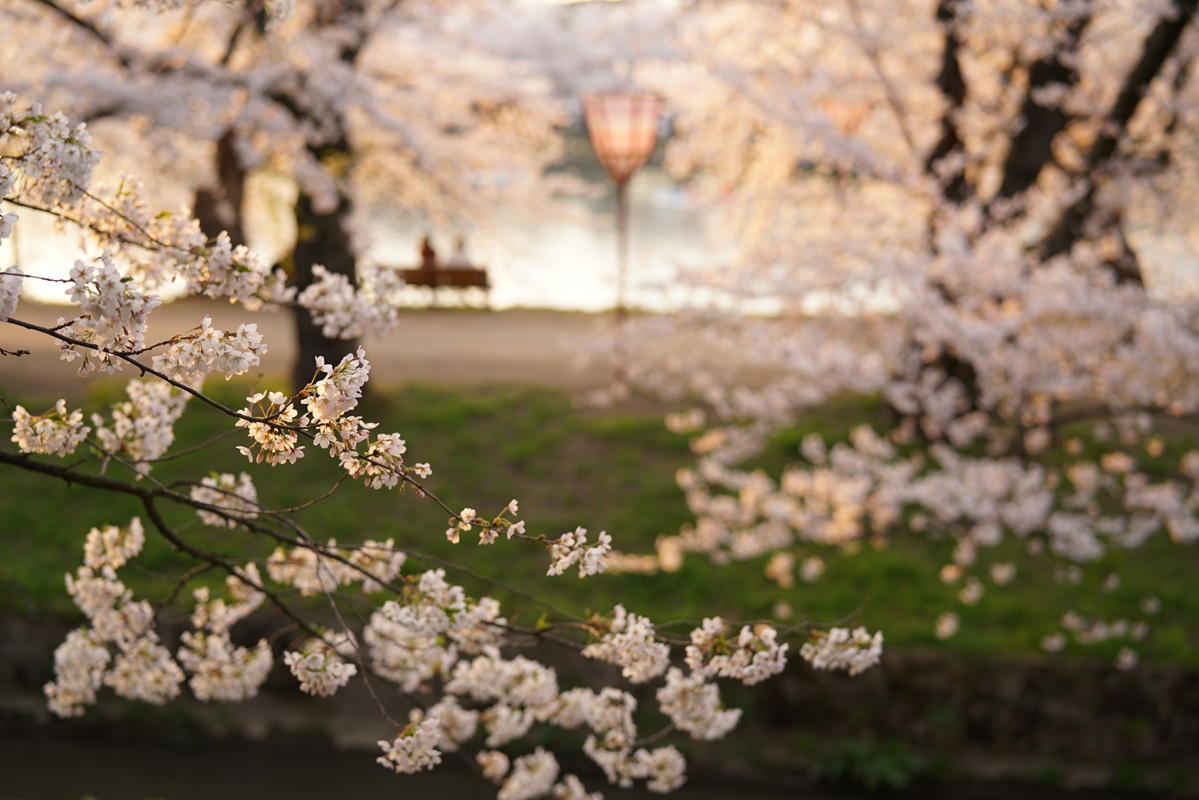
column 36, row 767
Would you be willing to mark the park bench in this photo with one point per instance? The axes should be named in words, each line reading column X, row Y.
column 461, row 280
column 454, row 277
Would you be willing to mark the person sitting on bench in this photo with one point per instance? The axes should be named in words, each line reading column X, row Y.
column 428, row 256
column 459, row 258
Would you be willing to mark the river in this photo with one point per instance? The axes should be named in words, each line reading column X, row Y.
column 40, row 767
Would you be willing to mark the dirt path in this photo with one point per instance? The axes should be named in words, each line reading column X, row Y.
column 450, row 347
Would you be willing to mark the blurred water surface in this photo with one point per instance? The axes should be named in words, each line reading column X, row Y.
column 42, row 768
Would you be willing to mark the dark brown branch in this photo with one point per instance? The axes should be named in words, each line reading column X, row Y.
column 1157, row 49
column 1032, row 147
column 182, row 581
column 220, row 207
column 164, row 530
column 87, row 26
column 28, row 462
column 953, row 88
column 145, row 369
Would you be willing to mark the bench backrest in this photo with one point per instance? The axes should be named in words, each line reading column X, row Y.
column 459, row 277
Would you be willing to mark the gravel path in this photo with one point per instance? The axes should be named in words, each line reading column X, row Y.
column 450, row 347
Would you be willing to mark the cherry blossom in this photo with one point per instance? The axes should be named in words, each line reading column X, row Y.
column 629, row 644
column 854, row 651
column 57, row 432
column 414, row 749
column 320, row 668
column 572, row 548
column 693, row 705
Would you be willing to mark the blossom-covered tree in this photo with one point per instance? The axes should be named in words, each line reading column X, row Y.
column 422, row 633
column 977, row 170
column 957, row 205
column 353, row 100
column 293, row 90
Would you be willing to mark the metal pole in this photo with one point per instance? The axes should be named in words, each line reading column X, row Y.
column 622, row 268
column 622, row 246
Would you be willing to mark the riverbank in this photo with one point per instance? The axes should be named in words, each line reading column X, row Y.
column 921, row 721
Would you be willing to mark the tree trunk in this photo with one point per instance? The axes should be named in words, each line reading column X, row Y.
column 1159, row 45
column 1032, row 147
column 219, row 208
column 320, row 239
column 952, row 84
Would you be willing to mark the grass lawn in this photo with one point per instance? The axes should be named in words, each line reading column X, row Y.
column 604, row 471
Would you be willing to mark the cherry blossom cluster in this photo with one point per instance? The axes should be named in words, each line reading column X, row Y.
column 112, row 546
column 839, row 648
column 414, row 749
column 10, row 283
column 403, row 639
column 192, row 356
column 320, row 666
column 466, row 519
column 275, row 441
column 752, row 657
column 346, row 312
column 1086, row 631
column 662, row 768
column 221, row 671
column 869, row 487
column 141, row 428
column 532, row 776
column 56, row 432
column 693, row 705
column 235, row 496
column 317, row 569
column 112, row 317
column 56, row 162
column 433, row 631
column 331, row 396
column 216, row 614
column 572, row 548
column 411, row 642
column 142, row 668
column 55, row 156
column 629, row 644
column 7, row 179
column 275, row 425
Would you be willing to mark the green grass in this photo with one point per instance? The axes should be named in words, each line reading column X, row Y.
column 604, row 471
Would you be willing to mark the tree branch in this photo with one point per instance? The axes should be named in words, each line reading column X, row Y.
column 1157, row 48
column 1032, row 148
column 952, row 84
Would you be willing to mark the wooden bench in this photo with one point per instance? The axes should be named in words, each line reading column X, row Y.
column 453, row 277
column 460, row 281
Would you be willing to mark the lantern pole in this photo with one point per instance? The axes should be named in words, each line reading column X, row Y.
column 622, row 246
column 622, row 128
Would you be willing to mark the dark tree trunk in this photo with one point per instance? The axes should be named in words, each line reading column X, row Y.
column 953, row 89
column 1032, row 147
column 1158, row 47
column 219, row 208
column 320, row 239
